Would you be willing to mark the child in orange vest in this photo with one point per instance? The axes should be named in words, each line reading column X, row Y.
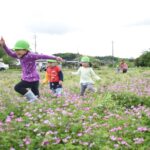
column 54, row 77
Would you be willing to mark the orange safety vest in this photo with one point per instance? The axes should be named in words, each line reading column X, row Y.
column 52, row 74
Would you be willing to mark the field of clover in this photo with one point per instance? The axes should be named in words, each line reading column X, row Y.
column 116, row 117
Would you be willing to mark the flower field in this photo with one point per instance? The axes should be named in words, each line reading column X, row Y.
column 116, row 117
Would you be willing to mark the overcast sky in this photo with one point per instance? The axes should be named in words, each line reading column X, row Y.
column 84, row 26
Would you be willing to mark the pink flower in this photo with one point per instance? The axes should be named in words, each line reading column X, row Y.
column 86, row 108
column 116, row 145
column 8, row 119
column 19, row 119
column 11, row 114
column 124, row 143
column 45, row 143
column 113, row 130
column 52, row 125
column 64, row 112
column 113, row 138
column 46, row 122
column 1, row 123
column 59, row 95
column 142, row 129
column 27, row 114
column 95, row 115
column 57, row 140
column 88, row 130
column 65, row 140
column 21, row 145
column 138, row 140
column 27, row 141
column 27, row 125
column 119, row 128
column 79, row 134
column 84, row 143
column 116, row 129
column 104, row 125
column 1, row 129
column 119, row 139
column 49, row 132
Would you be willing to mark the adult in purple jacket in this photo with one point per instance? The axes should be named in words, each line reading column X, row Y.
column 30, row 77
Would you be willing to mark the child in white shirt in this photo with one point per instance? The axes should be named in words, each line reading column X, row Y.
column 86, row 76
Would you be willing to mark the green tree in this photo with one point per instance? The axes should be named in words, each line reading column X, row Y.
column 2, row 53
column 7, row 59
column 143, row 60
column 67, row 56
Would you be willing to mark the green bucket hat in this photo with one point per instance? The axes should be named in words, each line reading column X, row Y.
column 51, row 61
column 22, row 44
column 85, row 59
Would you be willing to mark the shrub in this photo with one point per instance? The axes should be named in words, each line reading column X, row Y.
column 130, row 99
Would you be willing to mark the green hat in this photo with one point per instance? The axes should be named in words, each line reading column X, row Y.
column 22, row 44
column 85, row 59
column 52, row 61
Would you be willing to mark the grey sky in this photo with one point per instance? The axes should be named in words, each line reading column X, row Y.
column 141, row 23
column 51, row 28
column 84, row 26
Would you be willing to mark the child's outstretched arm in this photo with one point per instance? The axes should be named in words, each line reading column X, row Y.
column 77, row 73
column 94, row 75
column 6, row 49
column 61, row 77
column 42, row 56
column 46, row 79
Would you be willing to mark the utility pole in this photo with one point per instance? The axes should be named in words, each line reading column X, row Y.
column 78, row 57
column 113, row 53
column 35, row 44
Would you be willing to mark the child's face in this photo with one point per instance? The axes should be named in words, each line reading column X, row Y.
column 51, row 64
column 85, row 64
column 20, row 53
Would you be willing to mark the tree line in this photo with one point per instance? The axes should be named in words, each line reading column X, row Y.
column 97, row 61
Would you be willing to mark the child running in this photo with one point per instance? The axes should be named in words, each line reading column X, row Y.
column 54, row 76
column 86, row 74
column 30, row 76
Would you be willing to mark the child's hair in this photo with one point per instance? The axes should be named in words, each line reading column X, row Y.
column 90, row 64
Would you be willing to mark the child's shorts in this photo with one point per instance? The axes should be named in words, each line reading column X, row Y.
column 56, row 88
column 55, row 85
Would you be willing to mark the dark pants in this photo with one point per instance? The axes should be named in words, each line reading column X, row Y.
column 124, row 70
column 85, row 86
column 55, row 85
column 22, row 86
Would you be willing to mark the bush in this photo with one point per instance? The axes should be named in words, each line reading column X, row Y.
column 143, row 60
column 130, row 99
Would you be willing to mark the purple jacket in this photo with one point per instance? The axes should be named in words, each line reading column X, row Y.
column 28, row 64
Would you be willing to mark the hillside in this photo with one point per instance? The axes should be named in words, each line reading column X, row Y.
column 97, row 60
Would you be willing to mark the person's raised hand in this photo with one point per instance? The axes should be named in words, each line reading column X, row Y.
column 2, row 42
column 60, row 82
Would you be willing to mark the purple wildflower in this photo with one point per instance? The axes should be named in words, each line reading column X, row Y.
column 138, row 140
column 27, row 141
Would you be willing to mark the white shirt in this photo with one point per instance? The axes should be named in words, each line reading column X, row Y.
column 86, row 75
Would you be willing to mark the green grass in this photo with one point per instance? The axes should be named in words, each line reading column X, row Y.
column 116, row 117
